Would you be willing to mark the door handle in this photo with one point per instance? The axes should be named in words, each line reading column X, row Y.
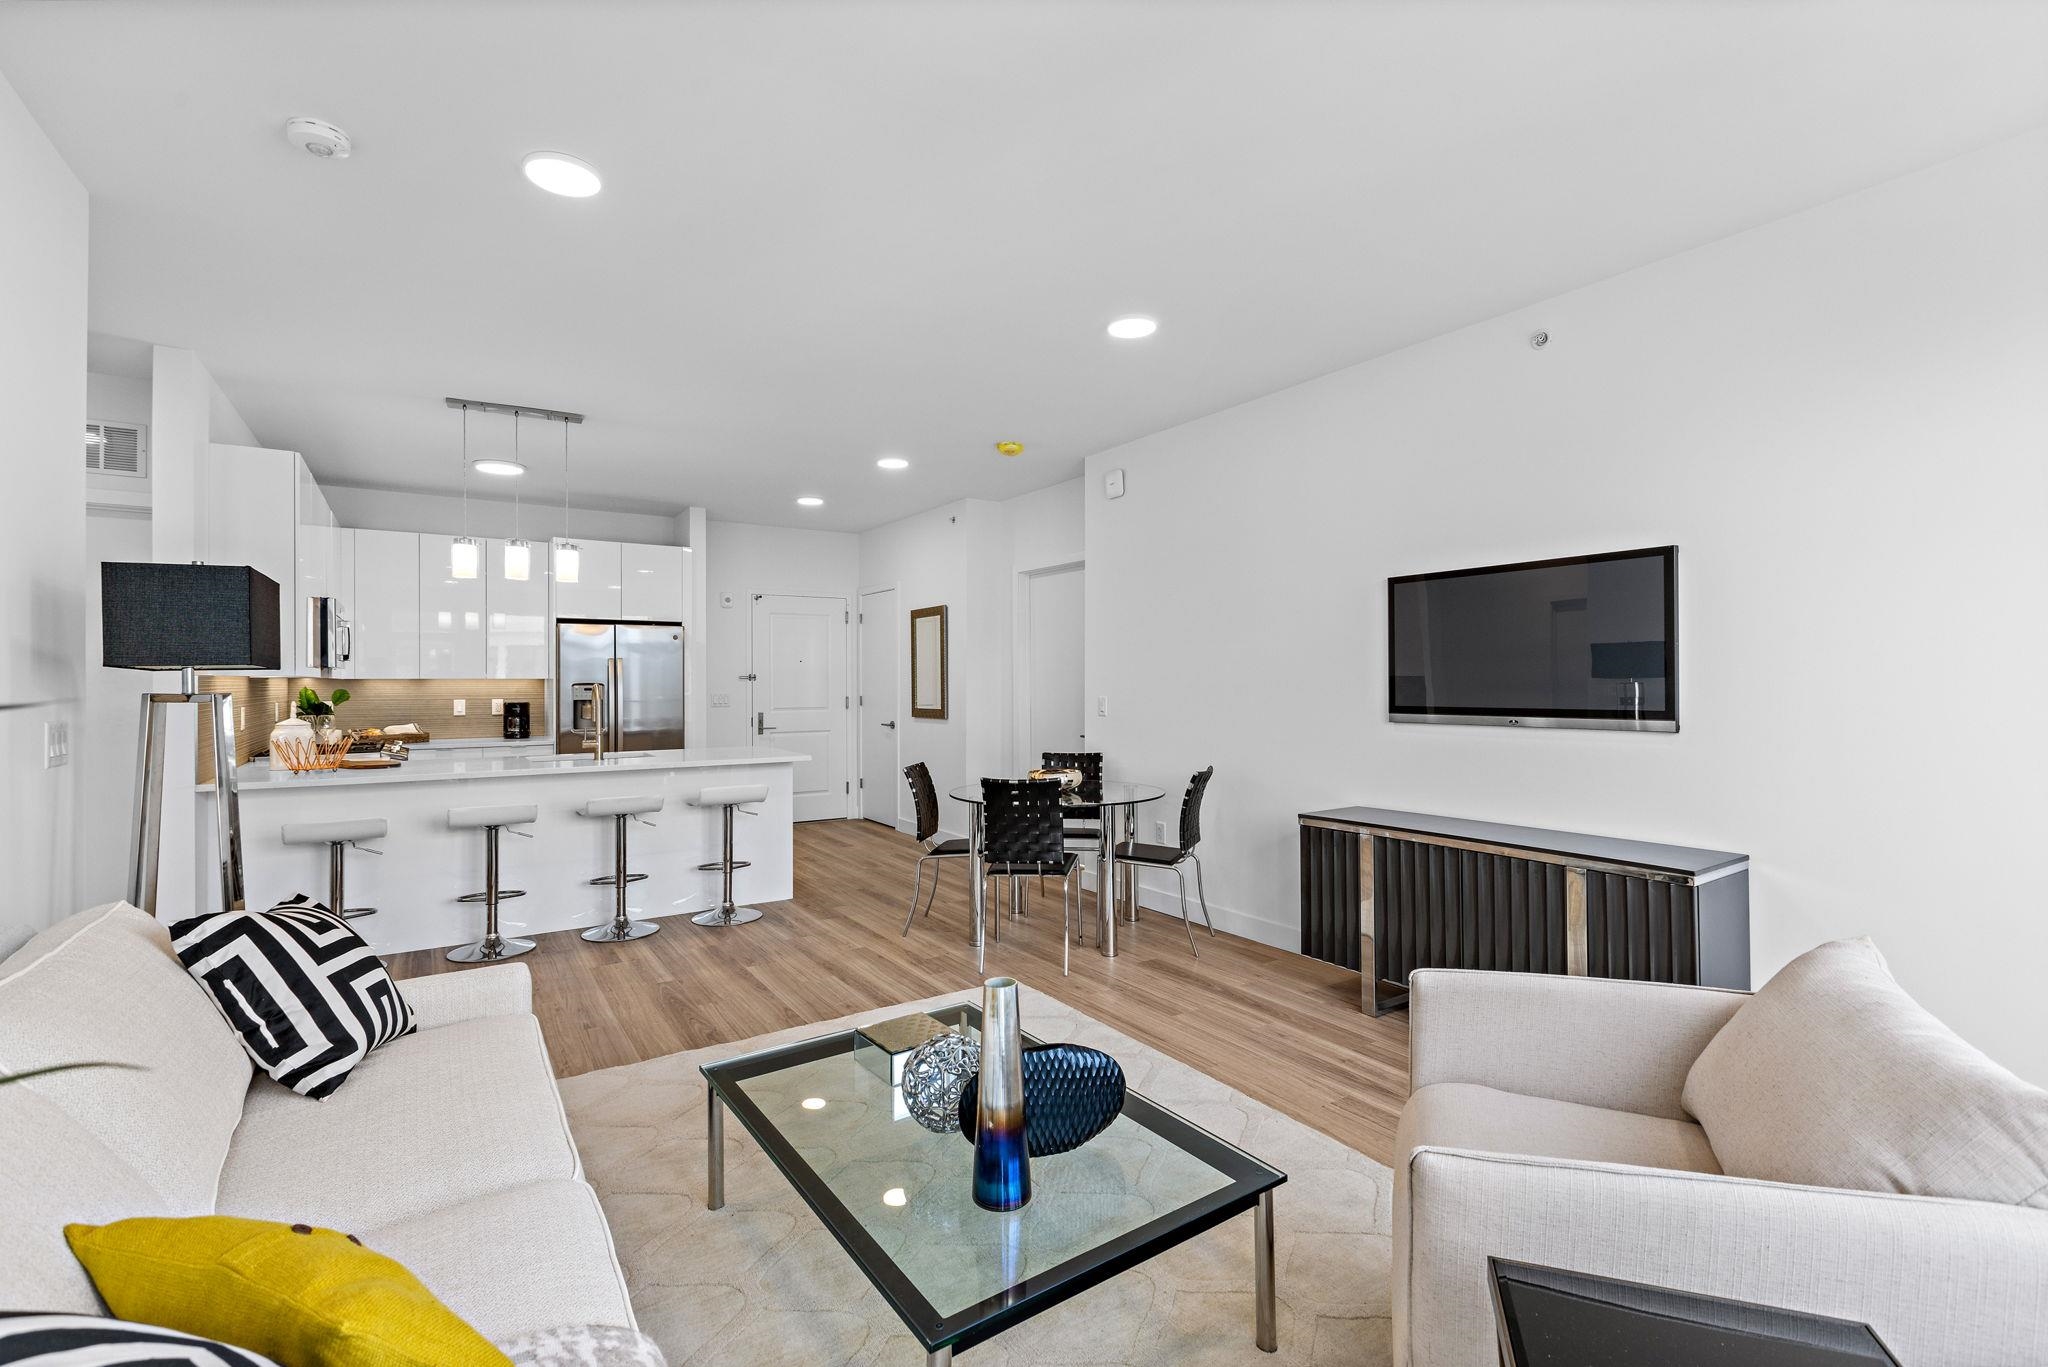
column 761, row 727
column 890, row 724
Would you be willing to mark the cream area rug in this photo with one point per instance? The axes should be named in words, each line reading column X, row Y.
column 760, row 1283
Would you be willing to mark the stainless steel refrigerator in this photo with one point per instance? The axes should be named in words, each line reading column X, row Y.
column 640, row 665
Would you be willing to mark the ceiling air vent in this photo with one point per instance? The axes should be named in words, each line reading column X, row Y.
column 117, row 448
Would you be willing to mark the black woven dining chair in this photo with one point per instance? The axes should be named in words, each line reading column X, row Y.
column 1081, row 821
column 1021, row 838
column 925, row 798
column 1173, row 856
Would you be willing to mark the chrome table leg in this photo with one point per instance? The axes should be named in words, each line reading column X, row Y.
column 1262, row 1240
column 939, row 1357
column 1105, row 882
column 714, row 1150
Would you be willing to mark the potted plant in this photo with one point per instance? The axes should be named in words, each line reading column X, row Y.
column 318, row 712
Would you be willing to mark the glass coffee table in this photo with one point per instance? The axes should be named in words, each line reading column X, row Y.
column 899, row 1200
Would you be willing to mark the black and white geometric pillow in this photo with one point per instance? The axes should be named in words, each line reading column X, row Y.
column 90, row 1341
column 309, row 998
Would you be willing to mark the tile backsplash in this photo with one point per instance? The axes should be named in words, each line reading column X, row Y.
column 262, row 702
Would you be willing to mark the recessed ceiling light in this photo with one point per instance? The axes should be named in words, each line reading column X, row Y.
column 561, row 174
column 810, row 501
column 814, row 1103
column 504, row 469
column 1131, row 329
column 893, row 463
column 895, row 1196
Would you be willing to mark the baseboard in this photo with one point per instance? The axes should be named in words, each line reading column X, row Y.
column 1228, row 920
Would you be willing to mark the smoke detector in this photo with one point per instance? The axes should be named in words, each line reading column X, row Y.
column 319, row 137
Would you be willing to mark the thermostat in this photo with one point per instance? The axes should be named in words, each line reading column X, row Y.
column 1113, row 484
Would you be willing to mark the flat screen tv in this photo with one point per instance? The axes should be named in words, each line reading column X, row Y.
column 1586, row 640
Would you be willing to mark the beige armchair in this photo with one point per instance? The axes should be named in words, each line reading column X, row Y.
column 1545, row 1127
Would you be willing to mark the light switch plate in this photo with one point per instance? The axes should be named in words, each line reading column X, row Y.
column 497, row 707
column 462, row 707
column 721, row 700
column 56, row 744
column 1102, row 705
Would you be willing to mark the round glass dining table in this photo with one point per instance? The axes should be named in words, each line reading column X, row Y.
column 1118, row 803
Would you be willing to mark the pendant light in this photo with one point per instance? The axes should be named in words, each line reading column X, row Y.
column 518, row 551
column 568, row 555
column 464, row 559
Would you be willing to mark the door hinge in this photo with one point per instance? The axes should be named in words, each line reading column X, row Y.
column 863, row 617
column 863, row 784
column 849, row 788
column 846, row 703
column 845, row 619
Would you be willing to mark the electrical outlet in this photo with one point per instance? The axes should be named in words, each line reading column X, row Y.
column 462, row 707
column 242, row 717
column 276, row 712
column 56, row 744
column 1102, row 705
column 497, row 707
column 721, row 700
column 1159, row 832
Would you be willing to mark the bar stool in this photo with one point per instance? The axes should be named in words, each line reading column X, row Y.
column 491, row 820
column 731, row 799
column 620, row 810
column 337, row 836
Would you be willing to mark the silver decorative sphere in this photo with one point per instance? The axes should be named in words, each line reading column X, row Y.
column 934, row 1076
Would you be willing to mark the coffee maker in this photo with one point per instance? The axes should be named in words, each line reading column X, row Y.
column 518, row 720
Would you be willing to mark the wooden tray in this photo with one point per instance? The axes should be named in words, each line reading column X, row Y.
column 357, row 762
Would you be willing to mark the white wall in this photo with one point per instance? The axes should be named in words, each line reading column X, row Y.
column 1841, row 420
column 539, row 517
column 43, row 570
column 743, row 559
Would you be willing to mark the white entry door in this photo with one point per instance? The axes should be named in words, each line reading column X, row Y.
column 801, row 701
column 881, row 788
column 1054, row 679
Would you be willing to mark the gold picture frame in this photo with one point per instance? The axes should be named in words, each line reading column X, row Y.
column 928, row 681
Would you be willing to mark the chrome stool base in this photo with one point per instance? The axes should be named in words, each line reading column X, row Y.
column 492, row 948
column 613, row 933
column 727, row 915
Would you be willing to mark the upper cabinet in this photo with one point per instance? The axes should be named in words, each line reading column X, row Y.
column 652, row 582
column 595, row 592
column 451, row 614
column 263, row 509
column 386, row 609
column 517, row 639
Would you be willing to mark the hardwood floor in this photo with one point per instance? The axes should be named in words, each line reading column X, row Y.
column 1274, row 1025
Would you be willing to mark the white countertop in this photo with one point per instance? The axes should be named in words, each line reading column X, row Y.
column 427, row 767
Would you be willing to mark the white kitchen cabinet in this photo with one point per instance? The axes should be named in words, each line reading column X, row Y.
column 451, row 614
column 386, row 610
column 250, row 515
column 517, row 637
column 651, row 582
column 595, row 594
column 343, row 577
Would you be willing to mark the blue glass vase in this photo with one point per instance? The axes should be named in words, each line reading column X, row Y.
column 1002, row 1162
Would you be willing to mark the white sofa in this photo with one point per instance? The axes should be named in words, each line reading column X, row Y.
column 448, row 1149
column 1546, row 1127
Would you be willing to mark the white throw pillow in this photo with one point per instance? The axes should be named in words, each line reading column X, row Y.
column 1832, row 1076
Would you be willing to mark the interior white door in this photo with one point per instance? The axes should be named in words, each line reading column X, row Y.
column 881, row 789
column 801, row 699
column 1058, row 712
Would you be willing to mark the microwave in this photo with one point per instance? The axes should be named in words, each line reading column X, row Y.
column 330, row 641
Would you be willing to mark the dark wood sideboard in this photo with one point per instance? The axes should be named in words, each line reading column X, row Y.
column 1389, row 892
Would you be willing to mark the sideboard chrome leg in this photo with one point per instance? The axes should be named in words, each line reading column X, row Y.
column 714, row 1150
column 939, row 1357
column 1262, row 1239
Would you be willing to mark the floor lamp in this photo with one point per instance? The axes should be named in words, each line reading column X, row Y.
column 187, row 618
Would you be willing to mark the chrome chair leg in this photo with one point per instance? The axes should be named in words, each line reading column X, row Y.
column 1201, row 894
column 916, row 890
column 1185, row 923
column 933, row 895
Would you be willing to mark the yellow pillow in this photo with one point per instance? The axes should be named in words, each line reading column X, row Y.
column 303, row 1296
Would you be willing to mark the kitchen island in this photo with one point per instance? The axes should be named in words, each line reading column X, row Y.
column 425, row 867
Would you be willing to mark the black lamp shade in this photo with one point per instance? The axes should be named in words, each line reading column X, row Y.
column 187, row 617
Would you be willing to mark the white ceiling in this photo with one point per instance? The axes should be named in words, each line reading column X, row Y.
column 831, row 231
